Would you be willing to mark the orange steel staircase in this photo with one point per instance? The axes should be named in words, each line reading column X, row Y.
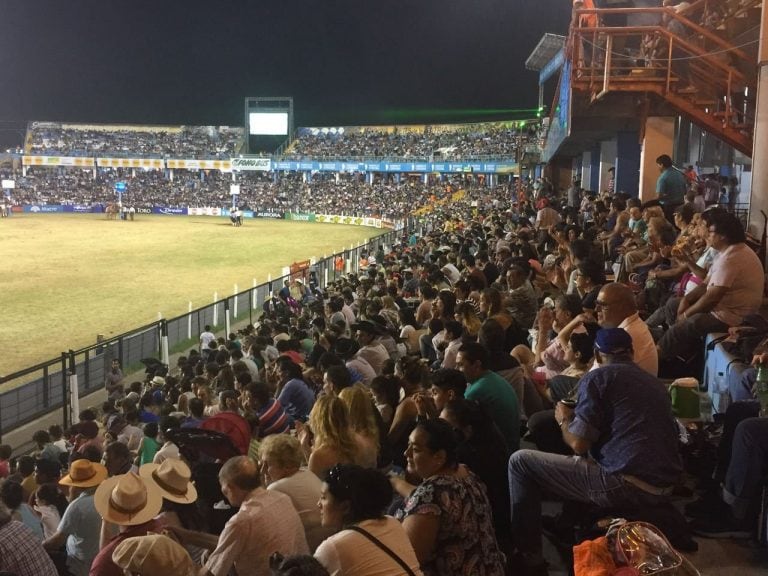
column 700, row 61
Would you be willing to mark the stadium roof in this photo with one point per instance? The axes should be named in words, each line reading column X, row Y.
column 548, row 46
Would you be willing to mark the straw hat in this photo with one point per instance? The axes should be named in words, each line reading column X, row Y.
column 172, row 478
column 126, row 500
column 153, row 555
column 84, row 474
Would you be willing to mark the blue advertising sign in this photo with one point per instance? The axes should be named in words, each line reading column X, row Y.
column 169, row 211
column 43, row 208
column 120, row 186
column 496, row 167
column 82, row 208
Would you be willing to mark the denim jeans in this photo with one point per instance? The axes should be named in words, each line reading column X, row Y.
column 687, row 337
column 533, row 474
column 748, row 469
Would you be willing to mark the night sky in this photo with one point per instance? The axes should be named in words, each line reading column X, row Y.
column 193, row 62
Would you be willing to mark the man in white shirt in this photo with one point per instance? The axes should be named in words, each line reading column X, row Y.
column 371, row 349
column 206, row 337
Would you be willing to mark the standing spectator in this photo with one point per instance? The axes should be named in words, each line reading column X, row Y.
column 670, row 186
column 113, row 381
column 206, row 337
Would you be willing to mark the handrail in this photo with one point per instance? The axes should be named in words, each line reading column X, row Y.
column 671, row 12
column 680, row 42
column 698, row 29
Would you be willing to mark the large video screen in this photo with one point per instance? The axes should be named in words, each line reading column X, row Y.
column 268, row 123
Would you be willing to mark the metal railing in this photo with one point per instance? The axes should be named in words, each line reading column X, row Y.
column 43, row 389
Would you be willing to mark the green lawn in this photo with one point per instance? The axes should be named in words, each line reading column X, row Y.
column 64, row 278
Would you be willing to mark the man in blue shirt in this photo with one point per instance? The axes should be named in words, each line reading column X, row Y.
column 625, row 438
column 671, row 186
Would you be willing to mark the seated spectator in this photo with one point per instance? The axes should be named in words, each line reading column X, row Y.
column 281, row 458
column 481, row 449
column 328, row 439
column 737, row 513
column 294, row 395
column 131, row 504
column 152, row 554
column 364, row 424
column 21, row 553
column 447, row 517
column 80, row 525
column 733, row 289
column 265, row 523
column 353, row 501
column 635, row 465
column 272, row 419
column 12, row 496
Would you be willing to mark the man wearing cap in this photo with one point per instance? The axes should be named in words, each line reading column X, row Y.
column 81, row 523
column 131, row 504
column 623, row 420
column 371, row 350
column 266, row 523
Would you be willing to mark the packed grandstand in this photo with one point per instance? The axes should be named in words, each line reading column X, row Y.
column 179, row 167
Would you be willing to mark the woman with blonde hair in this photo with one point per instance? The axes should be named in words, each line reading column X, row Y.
column 362, row 420
column 328, row 440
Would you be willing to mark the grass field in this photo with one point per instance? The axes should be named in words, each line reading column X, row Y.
column 64, row 278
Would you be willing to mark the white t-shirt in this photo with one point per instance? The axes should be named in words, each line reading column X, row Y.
column 205, row 339
column 303, row 488
column 349, row 553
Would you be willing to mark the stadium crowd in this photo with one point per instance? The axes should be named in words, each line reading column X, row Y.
column 460, row 142
column 374, row 426
column 348, row 194
column 450, row 142
column 193, row 142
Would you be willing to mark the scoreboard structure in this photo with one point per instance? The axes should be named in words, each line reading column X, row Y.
column 268, row 123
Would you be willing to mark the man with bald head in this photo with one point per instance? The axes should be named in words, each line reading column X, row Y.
column 616, row 308
column 267, row 522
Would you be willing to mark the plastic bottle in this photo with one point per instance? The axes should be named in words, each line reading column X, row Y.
column 761, row 385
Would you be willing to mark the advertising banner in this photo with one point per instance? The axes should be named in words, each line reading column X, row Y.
column 268, row 214
column 397, row 167
column 204, row 211
column 169, row 211
column 260, row 164
column 9, row 184
column 83, row 209
column 58, row 161
column 307, row 217
column 153, row 163
column 348, row 220
column 43, row 208
column 182, row 164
